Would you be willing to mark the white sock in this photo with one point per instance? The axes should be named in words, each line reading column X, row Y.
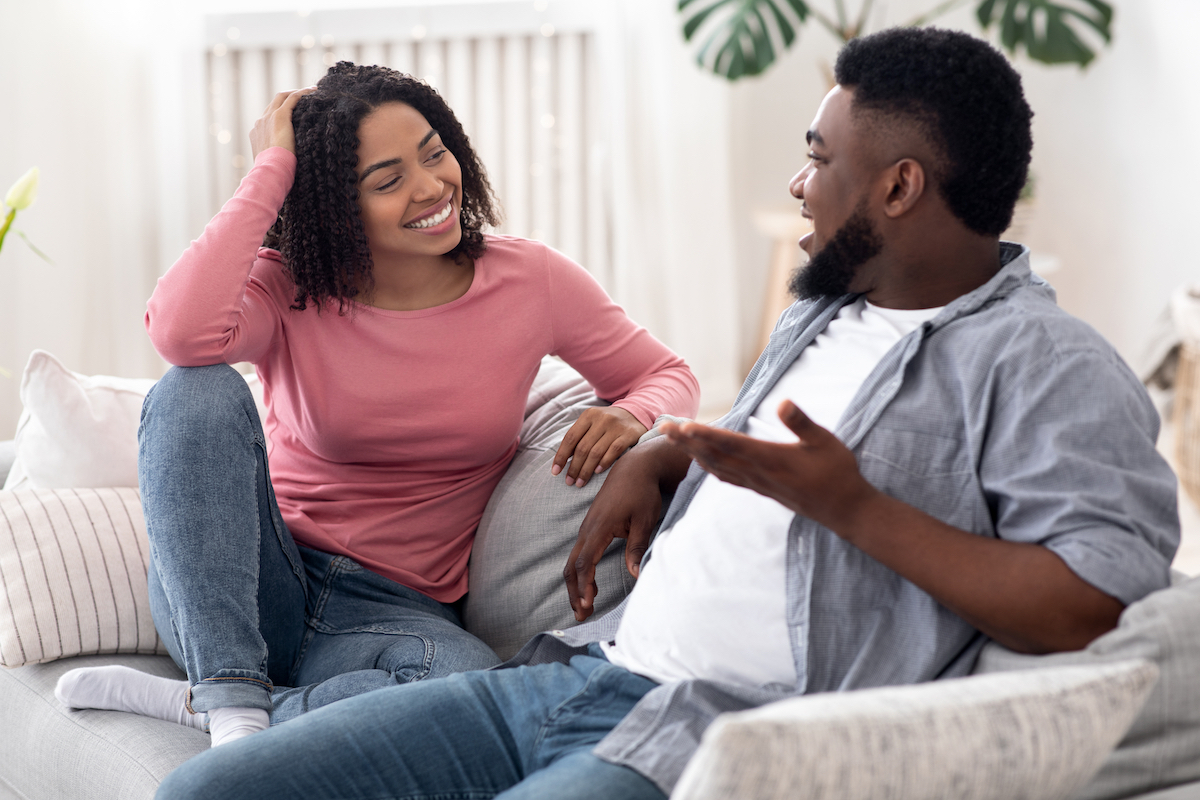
column 231, row 724
column 117, row 688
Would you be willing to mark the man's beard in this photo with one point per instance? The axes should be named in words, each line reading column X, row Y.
column 830, row 272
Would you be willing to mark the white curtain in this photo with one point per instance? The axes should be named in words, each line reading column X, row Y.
column 674, row 262
column 83, row 99
column 108, row 103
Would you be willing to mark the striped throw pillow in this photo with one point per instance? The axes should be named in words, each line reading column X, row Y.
column 73, row 575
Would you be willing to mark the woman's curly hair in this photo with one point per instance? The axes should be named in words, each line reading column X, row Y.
column 319, row 231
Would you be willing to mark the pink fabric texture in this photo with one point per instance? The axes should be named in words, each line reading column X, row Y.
column 390, row 429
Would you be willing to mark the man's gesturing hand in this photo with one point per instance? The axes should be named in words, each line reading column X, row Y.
column 816, row 476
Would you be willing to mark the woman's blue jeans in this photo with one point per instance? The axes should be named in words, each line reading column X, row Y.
column 255, row 620
column 517, row 734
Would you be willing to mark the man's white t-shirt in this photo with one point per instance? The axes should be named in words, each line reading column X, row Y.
column 710, row 602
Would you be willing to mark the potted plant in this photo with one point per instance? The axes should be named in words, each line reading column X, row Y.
column 740, row 41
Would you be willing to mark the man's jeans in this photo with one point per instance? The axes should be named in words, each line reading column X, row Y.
column 523, row 734
column 240, row 607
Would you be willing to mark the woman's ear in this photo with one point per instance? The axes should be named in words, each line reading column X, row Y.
column 905, row 185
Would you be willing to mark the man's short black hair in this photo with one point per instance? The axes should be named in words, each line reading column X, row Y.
column 966, row 96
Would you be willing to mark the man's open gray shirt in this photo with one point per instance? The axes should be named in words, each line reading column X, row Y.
column 1003, row 416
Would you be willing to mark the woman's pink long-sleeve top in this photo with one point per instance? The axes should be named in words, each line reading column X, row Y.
column 390, row 429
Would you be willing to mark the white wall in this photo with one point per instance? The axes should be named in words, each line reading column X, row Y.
column 1116, row 155
column 93, row 98
column 90, row 97
column 106, row 100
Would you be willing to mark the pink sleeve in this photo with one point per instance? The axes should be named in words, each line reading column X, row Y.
column 621, row 360
column 208, row 309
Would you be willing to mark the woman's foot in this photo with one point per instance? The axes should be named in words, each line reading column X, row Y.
column 117, row 688
column 231, row 724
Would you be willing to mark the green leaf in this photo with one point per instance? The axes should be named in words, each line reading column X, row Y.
column 1010, row 29
column 799, row 7
column 1047, row 29
column 740, row 41
column 785, row 25
column 39, row 253
column 689, row 27
column 984, row 13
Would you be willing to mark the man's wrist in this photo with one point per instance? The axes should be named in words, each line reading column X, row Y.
column 862, row 513
column 659, row 461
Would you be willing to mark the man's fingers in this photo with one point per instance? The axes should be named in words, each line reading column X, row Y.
column 570, row 579
column 637, row 541
column 694, row 435
column 799, row 423
column 579, row 573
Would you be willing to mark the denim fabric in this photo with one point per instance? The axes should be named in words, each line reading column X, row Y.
column 517, row 734
column 255, row 620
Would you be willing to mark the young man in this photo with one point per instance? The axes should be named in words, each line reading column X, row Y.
column 971, row 462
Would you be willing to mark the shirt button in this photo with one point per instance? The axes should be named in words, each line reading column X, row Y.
column 558, row 633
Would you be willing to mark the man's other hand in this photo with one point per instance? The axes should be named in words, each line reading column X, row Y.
column 628, row 506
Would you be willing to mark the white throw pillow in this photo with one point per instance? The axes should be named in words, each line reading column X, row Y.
column 1038, row 735
column 76, row 430
column 73, row 575
column 80, row 431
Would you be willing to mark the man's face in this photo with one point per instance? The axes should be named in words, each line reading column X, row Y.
column 830, row 272
column 833, row 185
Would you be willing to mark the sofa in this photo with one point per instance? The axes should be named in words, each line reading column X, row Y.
column 1120, row 719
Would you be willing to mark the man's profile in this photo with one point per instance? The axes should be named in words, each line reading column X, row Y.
column 928, row 454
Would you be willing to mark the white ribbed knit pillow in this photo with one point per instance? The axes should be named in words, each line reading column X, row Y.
column 73, row 575
column 1038, row 735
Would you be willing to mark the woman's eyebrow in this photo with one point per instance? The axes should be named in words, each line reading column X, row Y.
column 391, row 162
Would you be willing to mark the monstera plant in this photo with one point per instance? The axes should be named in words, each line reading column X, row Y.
column 740, row 37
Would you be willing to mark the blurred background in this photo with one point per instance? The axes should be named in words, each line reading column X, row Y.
column 601, row 133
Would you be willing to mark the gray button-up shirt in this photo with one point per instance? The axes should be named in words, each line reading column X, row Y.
column 1003, row 416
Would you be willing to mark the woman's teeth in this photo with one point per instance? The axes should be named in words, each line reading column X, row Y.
column 436, row 219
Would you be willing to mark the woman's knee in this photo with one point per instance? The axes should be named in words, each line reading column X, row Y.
column 202, row 396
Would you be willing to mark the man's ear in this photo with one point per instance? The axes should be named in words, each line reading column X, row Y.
column 905, row 183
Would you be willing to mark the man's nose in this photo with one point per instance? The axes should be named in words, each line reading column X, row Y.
column 796, row 185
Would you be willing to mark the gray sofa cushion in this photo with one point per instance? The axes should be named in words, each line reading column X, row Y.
column 530, row 525
column 1162, row 747
column 50, row 753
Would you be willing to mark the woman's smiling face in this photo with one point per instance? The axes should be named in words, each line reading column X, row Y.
column 409, row 185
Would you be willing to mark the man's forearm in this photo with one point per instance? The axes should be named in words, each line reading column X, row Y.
column 1022, row 595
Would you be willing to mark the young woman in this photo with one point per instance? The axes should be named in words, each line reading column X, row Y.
column 396, row 344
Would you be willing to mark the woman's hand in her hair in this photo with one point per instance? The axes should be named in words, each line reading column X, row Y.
column 274, row 128
column 595, row 441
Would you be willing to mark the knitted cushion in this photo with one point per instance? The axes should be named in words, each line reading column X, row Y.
column 1035, row 735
